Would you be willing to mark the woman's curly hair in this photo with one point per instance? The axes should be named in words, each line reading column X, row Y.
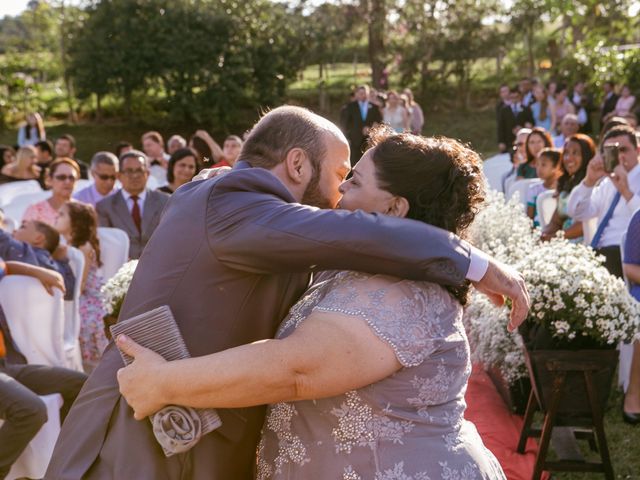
column 440, row 178
column 84, row 226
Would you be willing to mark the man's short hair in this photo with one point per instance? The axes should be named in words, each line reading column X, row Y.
column 364, row 87
column 234, row 138
column 69, row 138
column 622, row 131
column 121, row 146
column 50, row 234
column 133, row 154
column 570, row 116
column 104, row 158
column 155, row 136
column 177, row 138
column 283, row 129
column 45, row 146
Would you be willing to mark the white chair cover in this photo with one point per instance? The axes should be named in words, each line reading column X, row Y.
column 114, row 250
column 521, row 187
column 15, row 210
column 33, row 462
column 9, row 191
column 495, row 168
column 589, row 228
column 546, row 205
column 35, row 318
column 72, row 313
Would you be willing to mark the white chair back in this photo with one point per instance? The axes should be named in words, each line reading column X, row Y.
column 15, row 210
column 114, row 250
column 153, row 183
column 35, row 318
column 495, row 168
column 589, row 228
column 546, row 205
column 72, row 312
column 33, row 461
column 521, row 187
column 9, row 191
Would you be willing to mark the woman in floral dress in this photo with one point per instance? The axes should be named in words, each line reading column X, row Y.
column 396, row 347
column 78, row 224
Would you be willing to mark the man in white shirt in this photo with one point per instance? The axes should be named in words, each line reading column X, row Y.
column 615, row 198
column 104, row 171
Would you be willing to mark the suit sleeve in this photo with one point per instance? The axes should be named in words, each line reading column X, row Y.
column 103, row 217
column 273, row 236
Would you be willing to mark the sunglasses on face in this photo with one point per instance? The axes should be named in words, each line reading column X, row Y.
column 62, row 178
column 104, row 177
column 132, row 173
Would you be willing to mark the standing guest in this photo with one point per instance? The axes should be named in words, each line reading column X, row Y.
column 175, row 142
column 183, row 166
column 65, row 147
column 230, row 151
column 625, row 102
column 525, row 86
column 207, row 148
column 78, row 224
column 549, row 171
column 576, row 155
column 63, row 174
column 503, row 101
column 360, row 116
column 543, row 114
column 536, row 141
column 122, row 148
column 562, row 105
column 24, row 168
column 395, row 114
column 552, row 88
column 609, row 101
column 7, row 155
column 44, row 150
column 134, row 209
column 583, row 103
column 104, row 171
column 415, row 113
column 612, row 197
column 512, row 118
column 153, row 146
column 568, row 127
column 31, row 132
column 21, row 408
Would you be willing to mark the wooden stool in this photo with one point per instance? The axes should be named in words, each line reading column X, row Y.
column 568, row 387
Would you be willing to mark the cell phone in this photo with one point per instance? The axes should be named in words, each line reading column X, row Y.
column 610, row 157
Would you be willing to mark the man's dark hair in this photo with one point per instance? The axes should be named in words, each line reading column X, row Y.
column 133, row 154
column 69, row 138
column 552, row 154
column 121, row 146
column 50, row 234
column 45, row 146
column 621, row 131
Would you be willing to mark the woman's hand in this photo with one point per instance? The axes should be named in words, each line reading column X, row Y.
column 211, row 172
column 141, row 381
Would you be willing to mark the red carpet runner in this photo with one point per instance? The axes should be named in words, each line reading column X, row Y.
column 498, row 427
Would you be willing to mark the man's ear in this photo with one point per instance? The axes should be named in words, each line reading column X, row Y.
column 399, row 207
column 297, row 166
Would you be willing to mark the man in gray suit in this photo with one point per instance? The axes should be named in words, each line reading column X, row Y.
column 134, row 209
column 230, row 257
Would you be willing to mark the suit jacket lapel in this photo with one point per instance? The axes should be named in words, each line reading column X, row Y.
column 121, row 210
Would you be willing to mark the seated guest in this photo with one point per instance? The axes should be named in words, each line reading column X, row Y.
column 32, row 131
column 537, row 140
column 613, row 200
column 24, row 168
column 65, row 147
column 183, row 166
column 104, row 169
column 78, row 224
column 62, row 177
column 543, row 114
column 512, row 118
column 576, row 155
column 44, row 151
column 230, row 151
column 175, row 142
column 568, row 127
column 122, row 148
column 609, row 101
column 548, row 170
column 7, row 155
column 22, row 411
column 153, row 146
column 631, row 406
column 134, row 208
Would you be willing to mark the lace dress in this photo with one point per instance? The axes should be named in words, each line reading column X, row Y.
column 93, row 340
column 408, row 426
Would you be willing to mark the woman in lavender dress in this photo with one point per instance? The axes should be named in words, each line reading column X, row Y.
column 396, row 347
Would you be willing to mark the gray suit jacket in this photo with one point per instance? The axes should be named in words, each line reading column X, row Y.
column 113, row 212
column 230, row 256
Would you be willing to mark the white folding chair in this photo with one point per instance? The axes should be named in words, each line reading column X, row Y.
column 546, row 205
column 495, row 168
column 114, row 250
column 589, row 228
column 35, row 318
column 72, row 312
column 15, row 210
column 33, row 461
column 521, row 187
column 9, row 191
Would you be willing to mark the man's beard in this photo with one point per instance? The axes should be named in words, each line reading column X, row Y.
column 313, row 195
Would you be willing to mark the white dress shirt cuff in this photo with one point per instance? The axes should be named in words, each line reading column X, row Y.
column 478, row 265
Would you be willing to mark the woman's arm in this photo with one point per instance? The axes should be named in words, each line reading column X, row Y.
column 552, row 111
column 632, row 272
column 327, row 355
column 574, row 231
column 406, row 119
column 531, row 211
column 216, row 151
column 48, row 278
column 89, row 258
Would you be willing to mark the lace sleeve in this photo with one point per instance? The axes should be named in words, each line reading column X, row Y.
column 410, row 316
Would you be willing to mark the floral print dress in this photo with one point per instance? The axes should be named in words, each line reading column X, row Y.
column 408, row 426
column 93, row 340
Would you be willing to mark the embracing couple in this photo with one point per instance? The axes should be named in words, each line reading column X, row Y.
column 367, row 372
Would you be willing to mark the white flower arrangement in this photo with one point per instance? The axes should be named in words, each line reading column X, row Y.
column 114, row 291
column 572, row 294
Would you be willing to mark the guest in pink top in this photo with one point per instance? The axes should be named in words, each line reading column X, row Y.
column 63, row 173
column 625, row 102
